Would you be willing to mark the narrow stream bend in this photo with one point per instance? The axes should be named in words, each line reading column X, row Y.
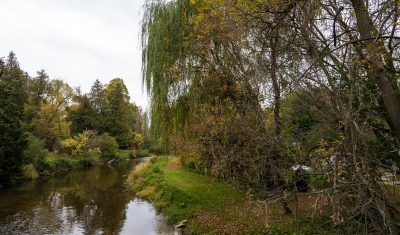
column 93, row 201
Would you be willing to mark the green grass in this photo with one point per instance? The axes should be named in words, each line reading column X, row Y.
column 182, row 194
column 207, row 193
column 210, row 206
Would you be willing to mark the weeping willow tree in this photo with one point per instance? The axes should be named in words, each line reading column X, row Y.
column 165, row 35
column 204, row 95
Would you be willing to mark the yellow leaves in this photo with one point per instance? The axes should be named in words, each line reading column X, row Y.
column 200, row 37
column 323, row 143
column 73, row 107
column 69, row 143
column 198, row 18
column 77, row 144
column 138, row 140
column 328, row 149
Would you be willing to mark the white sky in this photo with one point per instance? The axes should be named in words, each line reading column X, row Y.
column 77, row 41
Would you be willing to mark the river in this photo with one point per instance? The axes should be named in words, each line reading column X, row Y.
column 92, row 201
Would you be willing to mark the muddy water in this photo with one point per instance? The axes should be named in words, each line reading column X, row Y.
column 93, row 201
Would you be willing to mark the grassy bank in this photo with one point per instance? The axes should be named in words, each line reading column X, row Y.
column 210, row 207
column 59, row 164
column 55, row 164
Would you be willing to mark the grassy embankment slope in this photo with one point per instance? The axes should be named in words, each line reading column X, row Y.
column 210, row 206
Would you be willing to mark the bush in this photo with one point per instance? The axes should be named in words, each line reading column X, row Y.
column 137, row 141
column 157, row 150
column 191, row 161
column 35, row 153
column 132, row 154
column 94, row 154
column 89, row 144
column 78, row 145
column 108, row 146
column 29, row 172
column 319, row 182
column 143, row 153
column 138, row 153
column 61, row 164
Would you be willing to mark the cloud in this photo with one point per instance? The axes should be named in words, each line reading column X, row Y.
column 77, row 41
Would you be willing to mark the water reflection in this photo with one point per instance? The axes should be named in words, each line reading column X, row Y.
column 94, row 201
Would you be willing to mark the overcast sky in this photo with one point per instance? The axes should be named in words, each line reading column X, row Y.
column 78, row 41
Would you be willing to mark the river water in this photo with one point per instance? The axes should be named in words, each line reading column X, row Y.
column 93, row 201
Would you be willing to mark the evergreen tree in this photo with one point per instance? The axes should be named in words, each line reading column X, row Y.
column 98, row 105
column 12, row 134
column 96, row 97
column 118, row 114
column 82, row 115
column 37, row 90
column 39, row 87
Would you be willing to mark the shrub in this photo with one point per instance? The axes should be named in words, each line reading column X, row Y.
column 191, row 161
column 138, row 153
column 94, row 154
column 132, row 154
column 77, row 146
column 319, row 181
column 35, row 153
column 29, row 172
column 108, row 146
column 89, row 144
column 157, row 150
column 137, row 141
column 142, row 153
column 60, row 164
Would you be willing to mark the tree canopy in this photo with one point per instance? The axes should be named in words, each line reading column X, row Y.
column 244, row 90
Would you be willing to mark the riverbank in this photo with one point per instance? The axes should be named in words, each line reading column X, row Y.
column 213, row 207
column 209, row 206
column 60, row 164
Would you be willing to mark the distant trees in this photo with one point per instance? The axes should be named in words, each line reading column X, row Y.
column 39, row 114
column 49, row 123
column 106, row 109
column 82, row 115
column 13, row 139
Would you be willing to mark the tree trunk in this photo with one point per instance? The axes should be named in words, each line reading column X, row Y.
column 276, row 88
column 367, row 31
column 277, row 119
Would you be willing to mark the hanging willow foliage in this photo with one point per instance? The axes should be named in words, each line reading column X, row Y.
column 249, row 89
column 165, row 30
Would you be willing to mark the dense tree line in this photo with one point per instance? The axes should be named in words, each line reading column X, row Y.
column 106, row 109
column 245, row 90
column 40, row 115
column 12, row 135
